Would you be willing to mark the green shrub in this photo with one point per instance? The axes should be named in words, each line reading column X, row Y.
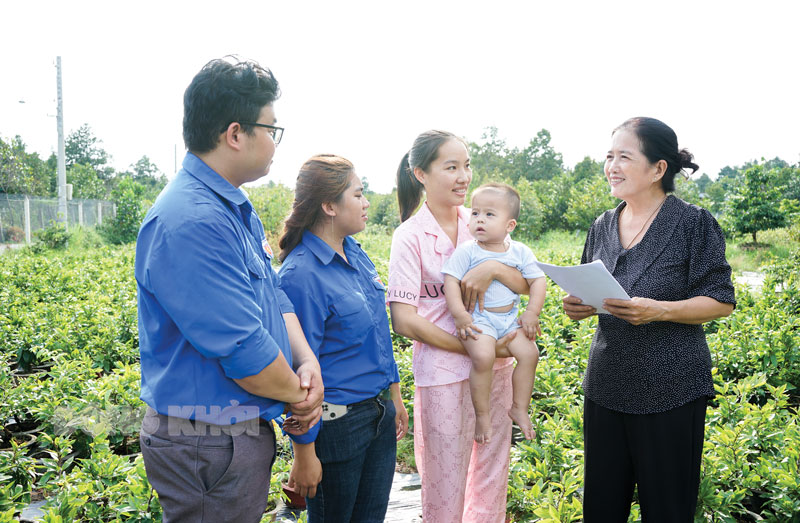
column 84, row 238
column 54, row 236
column 75, row 313
column 124, row 226
column 11, row 235
column 531, row 221
column 383, row 211
column 273, row 203
column 751, row 455
column 589, row 199
column 762, row 334
column 102, row 487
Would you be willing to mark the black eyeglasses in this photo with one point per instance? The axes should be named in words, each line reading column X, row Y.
column 276, row 132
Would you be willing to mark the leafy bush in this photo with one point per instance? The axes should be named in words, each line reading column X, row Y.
column 102, row 487
column 11, row 235
column 755, row 205
column 69, row 318
column 273, row 203
column 69, row 303
column 531, row 212
column 85, row 182
column 588, row 200
column 84, row 238
column 751, row 457
column 54, row 236
column 384, row 211
column 124, row 226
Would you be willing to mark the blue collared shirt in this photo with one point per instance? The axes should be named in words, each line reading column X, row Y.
column 342, row 309
column 210, row 307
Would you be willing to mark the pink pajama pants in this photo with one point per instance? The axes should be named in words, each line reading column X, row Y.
column 461, row 480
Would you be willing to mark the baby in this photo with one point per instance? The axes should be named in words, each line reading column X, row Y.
column 495, row 209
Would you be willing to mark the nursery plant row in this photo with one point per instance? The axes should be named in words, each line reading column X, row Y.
column 70, row 412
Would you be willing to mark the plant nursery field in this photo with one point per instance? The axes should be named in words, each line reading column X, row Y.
column 69, row 387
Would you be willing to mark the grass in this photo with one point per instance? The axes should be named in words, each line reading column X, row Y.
column 559, row 247
column 83, row 238
column 773, row 244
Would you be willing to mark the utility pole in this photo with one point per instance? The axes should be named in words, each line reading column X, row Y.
column 62, row 168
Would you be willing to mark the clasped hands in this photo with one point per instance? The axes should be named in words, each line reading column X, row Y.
column 306, row 413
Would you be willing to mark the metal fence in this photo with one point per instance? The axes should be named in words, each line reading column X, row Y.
column 21, row 215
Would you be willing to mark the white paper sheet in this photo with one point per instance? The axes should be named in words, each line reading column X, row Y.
column 591, row 282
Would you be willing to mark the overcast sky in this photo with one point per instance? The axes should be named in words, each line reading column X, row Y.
column 362, row 79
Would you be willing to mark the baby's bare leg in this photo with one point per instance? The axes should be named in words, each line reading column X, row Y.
column 527, row 356
column 481, row 351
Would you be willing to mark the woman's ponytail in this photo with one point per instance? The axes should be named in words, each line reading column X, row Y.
column 292, row 234
column 686, row 160
column 409, row 189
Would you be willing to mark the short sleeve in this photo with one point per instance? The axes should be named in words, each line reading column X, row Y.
column 458, row 263
column 709, row 272
column 405, row 268
column 530, row 269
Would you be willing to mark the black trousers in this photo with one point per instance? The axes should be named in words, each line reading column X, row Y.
column 659, row 453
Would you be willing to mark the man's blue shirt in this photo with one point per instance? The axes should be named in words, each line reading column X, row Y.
column 342, row 309
column 209, row 302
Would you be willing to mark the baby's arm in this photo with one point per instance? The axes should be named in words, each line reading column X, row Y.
column 463, row 319
column 529, row 321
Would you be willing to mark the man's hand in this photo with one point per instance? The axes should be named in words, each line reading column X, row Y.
column 307, row 413
column 306, row 471
column 530, row 325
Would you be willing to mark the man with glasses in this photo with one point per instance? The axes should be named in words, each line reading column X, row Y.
column 218, row 338
column 274, row 131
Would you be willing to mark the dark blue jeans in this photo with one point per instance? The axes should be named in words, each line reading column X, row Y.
column 358, row 453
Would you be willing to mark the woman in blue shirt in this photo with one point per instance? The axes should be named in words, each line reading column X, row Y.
column 340, row 302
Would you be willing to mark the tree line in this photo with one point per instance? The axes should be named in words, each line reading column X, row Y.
column 91, row 176
column 88, row 170
column 746, row 199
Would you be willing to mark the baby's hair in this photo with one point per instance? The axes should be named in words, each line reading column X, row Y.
column 511, row 194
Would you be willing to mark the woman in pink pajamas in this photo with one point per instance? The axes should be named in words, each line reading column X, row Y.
column 461, row 480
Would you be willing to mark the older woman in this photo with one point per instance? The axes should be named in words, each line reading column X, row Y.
column 340, row 302
column 649, row 373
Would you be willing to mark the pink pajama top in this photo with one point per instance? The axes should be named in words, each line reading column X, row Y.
column 419, row 249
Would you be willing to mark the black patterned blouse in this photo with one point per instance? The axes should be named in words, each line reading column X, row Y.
column 643, row 369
